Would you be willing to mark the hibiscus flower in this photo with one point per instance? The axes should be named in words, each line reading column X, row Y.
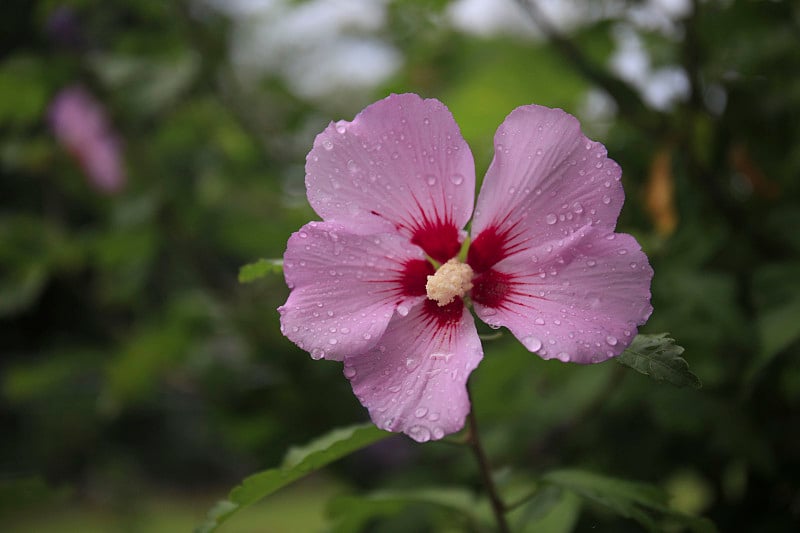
column 81, row 126
column 383, row 285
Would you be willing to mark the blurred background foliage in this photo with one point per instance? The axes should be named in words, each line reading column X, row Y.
column 139, row 380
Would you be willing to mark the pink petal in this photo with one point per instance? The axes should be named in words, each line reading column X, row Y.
column 578, row 299
column 546, row 181
column 345, row 287
column 401, row 163
column 414, row 380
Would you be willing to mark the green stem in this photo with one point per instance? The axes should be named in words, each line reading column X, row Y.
column 473, row 439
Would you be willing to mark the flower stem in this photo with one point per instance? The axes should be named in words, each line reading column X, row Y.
column 473, row 439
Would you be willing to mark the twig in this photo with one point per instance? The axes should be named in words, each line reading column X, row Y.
column 486, row 471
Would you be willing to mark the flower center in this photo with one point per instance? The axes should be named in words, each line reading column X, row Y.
column 451, row 281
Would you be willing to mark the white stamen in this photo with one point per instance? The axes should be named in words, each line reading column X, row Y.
column 451, row 281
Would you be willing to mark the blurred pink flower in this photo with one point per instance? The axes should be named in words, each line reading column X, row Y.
column 394, row 187
column 79, row 123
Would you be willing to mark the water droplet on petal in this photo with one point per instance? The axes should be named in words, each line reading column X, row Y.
column 591, row 262
column 611, row 340
column 431, row 179
column 457, row 179
column 532, row 343
column 420, row 412
column 327, row 144
column 349, row 372
column 551, row 218
column 438, row 433
column 563, row 356
column 402, row 310
column 606, row 199
column 419, row 433
column 539, row 321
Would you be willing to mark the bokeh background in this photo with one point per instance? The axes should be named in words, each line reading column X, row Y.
column 148, row 149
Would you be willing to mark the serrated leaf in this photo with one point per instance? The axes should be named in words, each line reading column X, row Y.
column 298, row 463
column 351, row 513
column 658, row 357
column 263, row 267
column 645, row 503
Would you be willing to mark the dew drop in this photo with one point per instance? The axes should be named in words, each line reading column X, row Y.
column 349, row 372
column 420, row 412
column 532, row 343
column 606, row 199
column 431, row 179
column 438, row 433
column 539, row 321
column 591, row 263
column 367, row 336
column 332, row 341
column 457, row 179
column 419, row 433
column 402, row 310
column 327, row 144
column 611, row 340
column 551, row 218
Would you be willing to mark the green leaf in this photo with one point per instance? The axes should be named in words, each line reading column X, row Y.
column 298, row 463
column 550, row 510
column 351, row 513
column 263, row 267
column 660, row 358
column 642, row 502
column 23, row 91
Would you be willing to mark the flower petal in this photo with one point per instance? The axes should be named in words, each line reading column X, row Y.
column 401, row 163
column 578, row 299
column 546, row 180
column 345, row 287
column 414, row 380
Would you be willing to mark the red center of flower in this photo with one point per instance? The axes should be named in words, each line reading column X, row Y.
column 438, row 238
column 490, row 287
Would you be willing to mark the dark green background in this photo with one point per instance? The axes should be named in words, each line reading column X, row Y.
column 139, row 380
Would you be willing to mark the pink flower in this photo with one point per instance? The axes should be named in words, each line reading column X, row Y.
column 394, row 187
column 80, row 125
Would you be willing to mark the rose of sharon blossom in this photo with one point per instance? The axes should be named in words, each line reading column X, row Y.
column 394, row 188
column 80, row 125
